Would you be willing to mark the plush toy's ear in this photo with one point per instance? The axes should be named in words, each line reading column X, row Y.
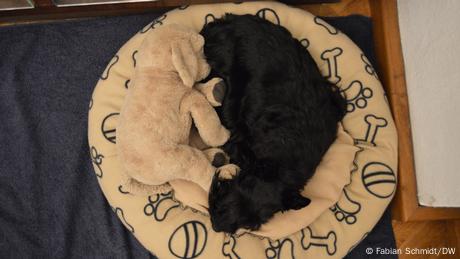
column 294, row 201
column 185, row 61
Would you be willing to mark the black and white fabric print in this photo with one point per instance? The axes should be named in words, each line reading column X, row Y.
column 127, row 83
column 368, row 67
column 121, row 216
column 120, row 189
column 270, row 15
column 305, row 42
column 346, row 209
column 379, row 179
column 183, row 7
column 228, row 248
column 209, row 18
column 108, row 127
column 374, row 123
column 188, row 240
column 330, row 56
column 97, row 158
column 133, row 56
column 112, row 63
column 328, row 242
column 326, row 26
column 159, row 205
column 158, row 21
column 357, row 95
column 280, row 249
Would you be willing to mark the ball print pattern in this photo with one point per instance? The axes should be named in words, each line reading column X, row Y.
column 190, row 238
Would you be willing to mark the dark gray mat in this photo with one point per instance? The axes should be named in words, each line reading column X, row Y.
column 50, row 203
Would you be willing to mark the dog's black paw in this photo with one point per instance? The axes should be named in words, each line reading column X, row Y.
column 219, row 91
column 219, row 160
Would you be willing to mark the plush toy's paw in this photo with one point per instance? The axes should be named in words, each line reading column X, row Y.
column 214, row 90
column 227, row 171
column 218, row 91
column 216, row 156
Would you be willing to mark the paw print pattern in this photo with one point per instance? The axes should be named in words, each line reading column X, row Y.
column 96, row 158
column 280, row 249
column 346, row 209
column 120, row 189
column 269, row 15
column 305, row 43
column 368, row 67
column 209, row 18
column 357, row 95
column 160, row 205
column 158, row 21
column 228, row 248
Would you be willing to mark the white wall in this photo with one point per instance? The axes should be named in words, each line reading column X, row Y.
column 430, row 35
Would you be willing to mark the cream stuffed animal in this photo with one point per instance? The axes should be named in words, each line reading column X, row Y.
column 156, row 119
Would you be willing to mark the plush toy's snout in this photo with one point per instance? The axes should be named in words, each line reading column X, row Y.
column 188, row 59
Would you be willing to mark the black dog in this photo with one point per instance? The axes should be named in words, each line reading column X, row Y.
column 282, row 115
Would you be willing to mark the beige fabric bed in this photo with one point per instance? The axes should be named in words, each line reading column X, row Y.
column 331, row 225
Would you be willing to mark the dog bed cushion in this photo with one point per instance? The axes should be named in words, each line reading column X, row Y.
column 170, row 231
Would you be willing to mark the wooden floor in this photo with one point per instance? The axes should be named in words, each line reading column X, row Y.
column 428, row 234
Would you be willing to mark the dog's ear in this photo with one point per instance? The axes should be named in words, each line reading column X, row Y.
column 294, row 200
column 185, row 61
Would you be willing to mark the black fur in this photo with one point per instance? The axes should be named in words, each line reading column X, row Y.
column 282, row 115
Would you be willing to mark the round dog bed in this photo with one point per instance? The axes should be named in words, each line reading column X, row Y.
column 170, row 230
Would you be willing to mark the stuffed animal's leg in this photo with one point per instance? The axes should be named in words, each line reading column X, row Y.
column 193, row 164
column 214, row 90
column 206, row 120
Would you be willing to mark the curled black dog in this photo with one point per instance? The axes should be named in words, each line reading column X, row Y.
column 282, row 115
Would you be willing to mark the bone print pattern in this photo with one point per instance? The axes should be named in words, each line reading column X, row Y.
column 326, row 26
column 112, row 63
column 228, row 248
column 280, row 249
column 157, row 22
column 121, row 216
column 329, row 242
column 374, row 123
column 346, row 209
column 160, row 205
column 331, row 56
column 357, row 95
